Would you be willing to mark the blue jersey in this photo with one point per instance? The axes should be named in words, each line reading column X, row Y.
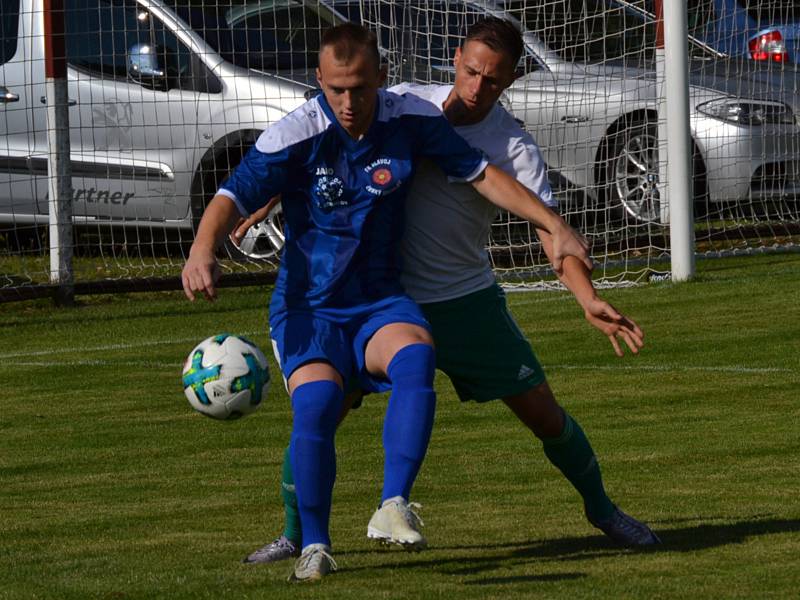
column 343, row 199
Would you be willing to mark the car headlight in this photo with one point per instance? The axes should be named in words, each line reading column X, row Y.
column 748, row 112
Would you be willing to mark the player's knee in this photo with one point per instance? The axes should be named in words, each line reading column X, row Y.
column 316, row 407
column 413, row 366
column 538, row 410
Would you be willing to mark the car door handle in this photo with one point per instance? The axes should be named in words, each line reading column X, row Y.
column 7, row 95
column 43, row 100
column 574, row 119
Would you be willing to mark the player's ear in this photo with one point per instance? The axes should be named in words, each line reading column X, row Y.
column 319, row 77
column 457, row 57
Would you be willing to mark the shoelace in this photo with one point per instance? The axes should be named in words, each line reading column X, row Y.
column 318, row 554
column 281, row 543
column 410, row 513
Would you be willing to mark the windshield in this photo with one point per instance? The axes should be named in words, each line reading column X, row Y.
column 265, row 35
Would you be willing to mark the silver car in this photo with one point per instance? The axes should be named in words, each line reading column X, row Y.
column 588, row 94
column 163, row 100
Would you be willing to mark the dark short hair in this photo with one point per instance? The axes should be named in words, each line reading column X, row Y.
column 500, row 35
column 348, row 39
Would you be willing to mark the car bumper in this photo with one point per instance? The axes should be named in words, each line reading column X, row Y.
column 747, row 163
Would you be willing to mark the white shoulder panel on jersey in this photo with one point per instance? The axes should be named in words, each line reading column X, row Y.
column 392, row 106
column 302, row 123
column 426, row 92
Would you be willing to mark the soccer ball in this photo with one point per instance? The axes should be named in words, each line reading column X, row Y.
column 225, row 377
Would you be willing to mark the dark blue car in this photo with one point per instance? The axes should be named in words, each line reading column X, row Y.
column 764, row 30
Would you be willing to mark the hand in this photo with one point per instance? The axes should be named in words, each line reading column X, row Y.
column 614, row 325
column 200, row 274
column 243, row 225
column 568, row 242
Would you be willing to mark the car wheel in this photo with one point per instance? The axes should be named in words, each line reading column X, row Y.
column 263, row 241
column 631, row 174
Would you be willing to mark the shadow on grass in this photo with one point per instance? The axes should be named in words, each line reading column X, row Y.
column 473, row 559
column 514, row 579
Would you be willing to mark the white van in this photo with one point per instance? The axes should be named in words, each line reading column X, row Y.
column 165, row 98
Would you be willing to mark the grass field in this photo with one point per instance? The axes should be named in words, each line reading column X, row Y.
column 113, row 488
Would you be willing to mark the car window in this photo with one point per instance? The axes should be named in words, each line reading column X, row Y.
column 274, row 35
column 766, row 12
column 701, row 13
column 589, row 31
column 9, row 22
column 102, row 33
column 425, row 36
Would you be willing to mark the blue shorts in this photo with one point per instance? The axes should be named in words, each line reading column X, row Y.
column 339, row 336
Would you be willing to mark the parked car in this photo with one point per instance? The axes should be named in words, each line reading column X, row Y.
column 588, row 93
column 159, row 113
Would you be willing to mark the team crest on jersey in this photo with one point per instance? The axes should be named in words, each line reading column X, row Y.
column 383, row 180
column 381, row 177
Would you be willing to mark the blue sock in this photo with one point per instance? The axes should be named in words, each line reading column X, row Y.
column 316, row 407
column 409, row 418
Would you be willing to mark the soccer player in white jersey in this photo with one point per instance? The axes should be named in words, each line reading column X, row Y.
column 446, row 270
column 343, row 163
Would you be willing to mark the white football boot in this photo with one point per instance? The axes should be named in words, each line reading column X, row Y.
column 397, row 522
column 314, row 563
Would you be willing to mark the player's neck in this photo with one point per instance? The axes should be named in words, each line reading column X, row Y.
column 458, row 114
column 357, row 132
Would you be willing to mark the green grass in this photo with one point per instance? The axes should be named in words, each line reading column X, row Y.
column 113, row 488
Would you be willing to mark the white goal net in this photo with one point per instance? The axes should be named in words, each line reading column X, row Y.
column 165, row 96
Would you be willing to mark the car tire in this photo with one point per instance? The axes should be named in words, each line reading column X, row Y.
column 631, row 174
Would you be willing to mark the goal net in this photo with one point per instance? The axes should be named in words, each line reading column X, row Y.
column 166, row 96
column 589, row 94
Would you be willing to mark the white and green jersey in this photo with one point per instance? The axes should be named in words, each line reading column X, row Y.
column 447, row 224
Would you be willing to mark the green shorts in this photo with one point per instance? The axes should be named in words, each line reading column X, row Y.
column 480, row 347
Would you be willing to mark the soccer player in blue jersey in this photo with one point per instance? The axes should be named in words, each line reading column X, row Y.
column 447, row 271
column 343, row 163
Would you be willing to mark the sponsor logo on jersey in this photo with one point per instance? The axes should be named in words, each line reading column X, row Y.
column 524, row 372
column 328, row 189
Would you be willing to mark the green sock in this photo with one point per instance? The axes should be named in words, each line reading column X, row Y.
column 291, row 528
column 572, row 454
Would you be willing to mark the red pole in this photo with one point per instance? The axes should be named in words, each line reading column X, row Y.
column 55, row 52
column 659, row 6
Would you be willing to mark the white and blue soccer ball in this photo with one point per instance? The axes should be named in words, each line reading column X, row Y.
column 226, row 377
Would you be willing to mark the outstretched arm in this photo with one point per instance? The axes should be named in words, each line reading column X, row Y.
column 507, row 193
column 600, row 314
column 201, row 271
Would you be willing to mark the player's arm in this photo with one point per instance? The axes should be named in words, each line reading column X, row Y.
column 201, row 271
column 507, row 193
column 577, row 278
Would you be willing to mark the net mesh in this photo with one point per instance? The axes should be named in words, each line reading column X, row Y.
column 165, row 98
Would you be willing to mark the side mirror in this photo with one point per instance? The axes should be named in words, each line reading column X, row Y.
column 143, row 66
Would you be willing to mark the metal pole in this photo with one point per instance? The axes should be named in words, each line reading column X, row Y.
column 661, row 107
column 59, row 171
column 679, row 144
